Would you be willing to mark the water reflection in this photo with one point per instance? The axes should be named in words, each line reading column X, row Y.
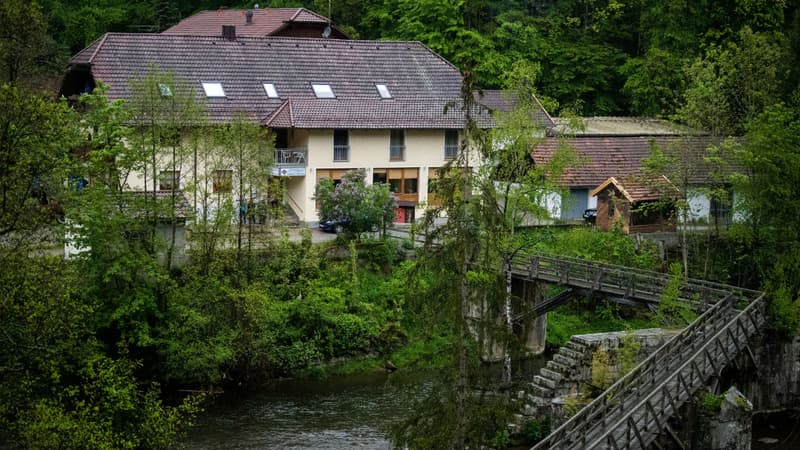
column 341, row 412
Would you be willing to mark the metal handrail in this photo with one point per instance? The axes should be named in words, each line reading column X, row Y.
column 690, row 363
column 601, row 404
column 296, row 156
column 715, row 320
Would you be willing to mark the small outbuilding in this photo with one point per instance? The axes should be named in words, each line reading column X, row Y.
column 636, row 204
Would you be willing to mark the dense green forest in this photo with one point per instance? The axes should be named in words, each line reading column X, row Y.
column 90, row 346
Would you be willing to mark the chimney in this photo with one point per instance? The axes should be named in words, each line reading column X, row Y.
column 249, row 17
column 229, row 32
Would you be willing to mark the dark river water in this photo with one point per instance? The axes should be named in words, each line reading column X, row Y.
column 336, row 413
column 341, row 412
column 354, row 412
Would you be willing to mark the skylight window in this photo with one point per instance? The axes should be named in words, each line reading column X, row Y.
column 213, row 89
column 165, row 90
column 383, row 91
column 269, row 88
column 323, row 90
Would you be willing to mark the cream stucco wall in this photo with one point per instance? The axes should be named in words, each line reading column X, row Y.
column 369, row 150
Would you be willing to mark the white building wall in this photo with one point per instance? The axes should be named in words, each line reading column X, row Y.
column 369, row 150
column 699, row 206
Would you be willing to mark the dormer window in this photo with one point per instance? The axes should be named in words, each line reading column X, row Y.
column 165, row 90
column 269, row 88
column 323, row 90
column 383, row 91
column 213, row 89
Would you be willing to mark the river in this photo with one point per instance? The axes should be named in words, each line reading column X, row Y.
column 340, row 412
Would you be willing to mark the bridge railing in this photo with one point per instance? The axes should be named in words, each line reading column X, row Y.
column 577, row 429
column 639, row 424
column 614, row 279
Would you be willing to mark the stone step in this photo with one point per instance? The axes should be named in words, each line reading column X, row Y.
column 577, row 356
column 537, row 401
column 564, row 360
column 555, row 366
column 537, row 390
column 574, row 345
column 542, row 381
column 551, row 374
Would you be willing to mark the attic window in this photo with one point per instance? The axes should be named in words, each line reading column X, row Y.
column 383, row 91
column 165, row 90
column 269, row 88
column 323, row 90
column 213, row 89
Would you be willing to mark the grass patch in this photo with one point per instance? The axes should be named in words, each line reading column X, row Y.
column 581, row 317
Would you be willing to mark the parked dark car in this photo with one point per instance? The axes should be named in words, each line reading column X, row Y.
column 332, row 225
column 590, row 215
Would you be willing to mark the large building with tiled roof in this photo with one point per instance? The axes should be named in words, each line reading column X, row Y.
column 283, row 22
column 617, row 147
column 388, row 108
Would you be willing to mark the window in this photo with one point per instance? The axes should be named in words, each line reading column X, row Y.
column 397, row 145
column 323, row 90
column 223, row 181
column 401, row 181
column 169, row 180
column 213, row 89
column 379, row 176
column 165, row 90
column 341, row 145
column 383, row 91
column 269, row 88
column 450, row 144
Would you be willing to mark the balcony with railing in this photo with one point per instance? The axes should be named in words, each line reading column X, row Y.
column 290, row 161
column 397, row 153
column 341, row 153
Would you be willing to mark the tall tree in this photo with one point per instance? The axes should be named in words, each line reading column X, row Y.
column 27, row 52
column 36, row 135
column 249, row 149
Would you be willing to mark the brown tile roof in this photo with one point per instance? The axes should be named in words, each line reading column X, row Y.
column 266, row 21
column 636, row 189
column 418, row 112
column 420, row 81
column 621, row 156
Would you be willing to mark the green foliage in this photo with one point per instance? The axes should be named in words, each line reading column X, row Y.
column 36, row 134
column 358, row 207
column 59, row 389
column 609, row 247
column 27, row 52
column 584, row 318
column 711, row 403
column 733, row 83
column 602, row 375
column 628, row 353
column 672, row 310
column 535, row 430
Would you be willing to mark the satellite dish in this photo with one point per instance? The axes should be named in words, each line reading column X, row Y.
column 326, row 33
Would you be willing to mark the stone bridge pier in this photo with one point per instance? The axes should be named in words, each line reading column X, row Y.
column 529, row 329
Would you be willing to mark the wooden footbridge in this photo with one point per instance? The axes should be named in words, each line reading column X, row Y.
column 636, row 409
